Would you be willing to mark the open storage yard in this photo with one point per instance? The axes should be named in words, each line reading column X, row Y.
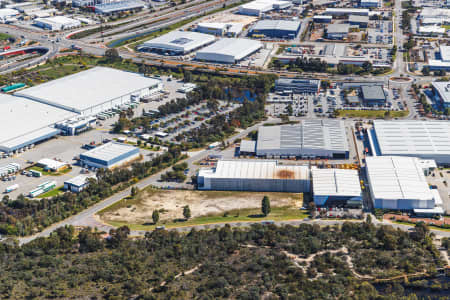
column 214, row 204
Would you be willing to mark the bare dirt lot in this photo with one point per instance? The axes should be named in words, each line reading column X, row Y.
column 170, row 203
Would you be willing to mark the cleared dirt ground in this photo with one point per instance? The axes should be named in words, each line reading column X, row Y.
column 202, row 203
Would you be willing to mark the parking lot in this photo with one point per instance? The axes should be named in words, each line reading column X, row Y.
column 380, row 33
column 278, row 104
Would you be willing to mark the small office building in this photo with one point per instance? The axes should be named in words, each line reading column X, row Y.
column 297, row 85
column 276, row 29
column 78, row 183
column 337, row 31
column 109, row 155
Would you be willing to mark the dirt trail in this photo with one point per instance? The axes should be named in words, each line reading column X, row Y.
column 180, row 274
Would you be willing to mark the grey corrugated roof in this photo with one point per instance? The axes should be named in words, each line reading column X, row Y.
column 359, row 19
column 277, row 25
column 309, row 134
column 372, row 92
column 337, row 28
column 247, row 146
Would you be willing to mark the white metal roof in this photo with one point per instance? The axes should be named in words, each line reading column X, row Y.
column 51, row 163
column 230, row 47
column 247, row 146
column 335, row 182
column 79, row 180
column 258, row 169
column 338, row 10
column 277, row 25
column 23, row 119
column 443, row 88
column 397, row 177
column 7, row 12
column 109, row 151
column 214, row 25
column 60, row 21
column 83, row 90
column 436, row 210
column 413, row 137
column 180, row 41
column 445, row 53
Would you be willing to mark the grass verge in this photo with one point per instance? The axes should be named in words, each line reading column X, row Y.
column 52, row 193
column 373, row 114
column 434, row 227
column 43, row 172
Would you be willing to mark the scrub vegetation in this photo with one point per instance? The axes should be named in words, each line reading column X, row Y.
column 352, row 261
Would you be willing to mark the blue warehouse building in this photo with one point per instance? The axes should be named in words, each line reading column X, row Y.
column 109, row 155
column 276, row 29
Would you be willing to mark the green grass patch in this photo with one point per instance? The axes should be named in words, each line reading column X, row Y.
column 447, row 27
column 434, row 227
column 371, row 114
column 47, row 173
column 242, row 215
column 4, row 36
column 52, row 193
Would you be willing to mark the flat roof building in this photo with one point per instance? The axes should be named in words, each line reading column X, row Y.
column 7, row 13
column 57, row 23
column 247, row 147
column 333, row 11
column 229, row 50
column 370, row 3
column 93, row 91
column 309, row 138
column 298, row 85
column 441, row 90
column 397, row 182
column 221, row 29
column 336, row 187
column 322, row 19
column 109, row 155
column 337, row 31
column 119, row 6
column 373, row 95
column 444, row 62
column 423, row 139
column 276, row 28
column 78, row 183
column 360, row 21
column 177, row 42
column 28, row 122
column 258, row 7
column 432, row 15
column 256, row 175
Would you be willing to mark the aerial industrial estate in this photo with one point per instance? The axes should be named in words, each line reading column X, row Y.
column 281, row 119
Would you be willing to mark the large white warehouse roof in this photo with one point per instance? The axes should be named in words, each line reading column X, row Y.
column 25, row 121
column 335, row 182
column 262, row 169
column 396, row 177
column 179, row 41
column 229, row 50
column 426, row 139
column 86, row 90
